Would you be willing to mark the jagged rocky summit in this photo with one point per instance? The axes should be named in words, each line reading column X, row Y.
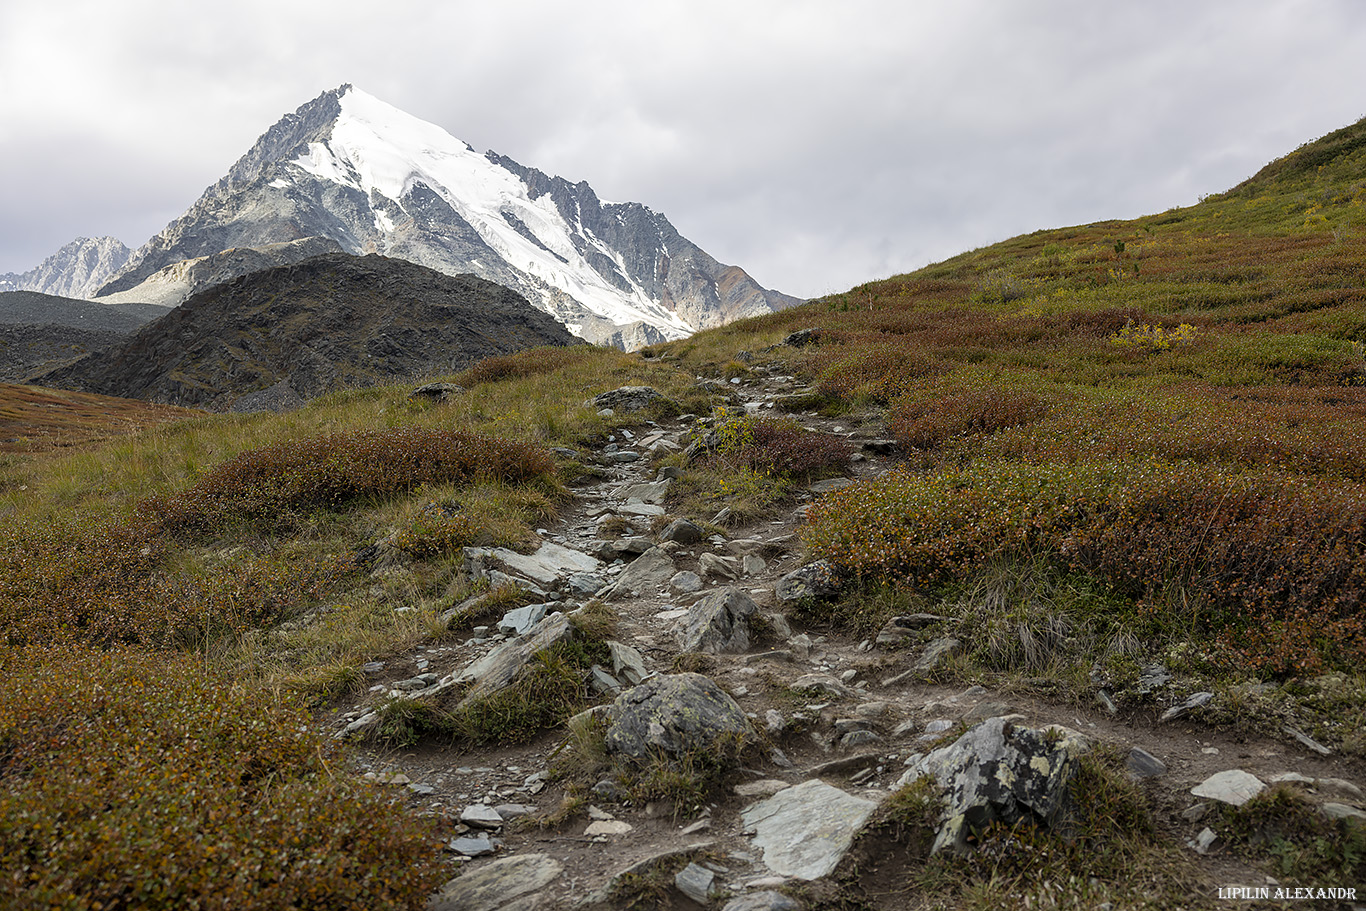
column 349, row 170
column 76, row 270
column 275, row 338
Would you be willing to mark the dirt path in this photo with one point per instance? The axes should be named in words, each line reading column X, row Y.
column 443, row 780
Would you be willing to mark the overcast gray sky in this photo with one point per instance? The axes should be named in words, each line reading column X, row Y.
column 815, row 144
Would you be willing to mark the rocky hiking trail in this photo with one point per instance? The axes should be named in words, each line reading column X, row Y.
column 844, row 721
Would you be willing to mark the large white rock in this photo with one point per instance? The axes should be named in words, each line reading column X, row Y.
column 549, row 564
column 1233, row 786
column 806, row 830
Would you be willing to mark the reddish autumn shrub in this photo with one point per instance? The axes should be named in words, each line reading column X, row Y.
column 920, row 424
column 109, row 584
column 779, row 446
column 1310, row 431
column 133, row 780
column 1264, row 552
column 878, row 371
column 269, row 485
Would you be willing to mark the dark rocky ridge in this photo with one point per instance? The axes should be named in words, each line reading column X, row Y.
column 30, row 308
column 29, row 351
column 41, row 332
column 275, row 338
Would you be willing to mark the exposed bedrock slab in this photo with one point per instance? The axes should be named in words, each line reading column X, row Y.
column 503, row 885
column 806, row 830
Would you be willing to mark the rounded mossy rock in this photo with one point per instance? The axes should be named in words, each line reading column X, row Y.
column 674, row 716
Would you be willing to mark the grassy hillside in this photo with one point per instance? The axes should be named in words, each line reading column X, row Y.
column 1122, row 443
column 1172, row 405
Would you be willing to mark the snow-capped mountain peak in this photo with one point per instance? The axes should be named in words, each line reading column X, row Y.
column 374, row 179
column 380, row 150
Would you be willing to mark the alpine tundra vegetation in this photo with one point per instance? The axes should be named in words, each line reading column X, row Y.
column 1034, row 578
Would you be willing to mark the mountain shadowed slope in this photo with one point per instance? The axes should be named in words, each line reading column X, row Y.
column 276, row 338
column 31, row 308
column 372, row 179
column 41, row 332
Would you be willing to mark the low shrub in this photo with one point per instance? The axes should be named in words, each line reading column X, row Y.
column 1031, row 619
column 860, row 610
column 1292, row 837
column 531, row 362
column 877, row 371
column 970, row 412
column 1272, row 559
column 553, row 687
column 112, row 584
column 778, row 446
column 271, row 486
column 437, row 534
column 133, row 780
column 1152, row 338
column 1107, row 852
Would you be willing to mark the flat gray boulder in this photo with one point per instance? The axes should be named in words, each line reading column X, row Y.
column 718, row 623
column 627, row 663
column 683, row 531
column 805, row 830
column 646, row 492
column 673, row 715
column 998, row 772
column 629, row 398
column 649, row 572
column 546, row 567
column 503, row 885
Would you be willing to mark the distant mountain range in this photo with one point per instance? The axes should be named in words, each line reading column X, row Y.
column 349, row 173
column 77, row 270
